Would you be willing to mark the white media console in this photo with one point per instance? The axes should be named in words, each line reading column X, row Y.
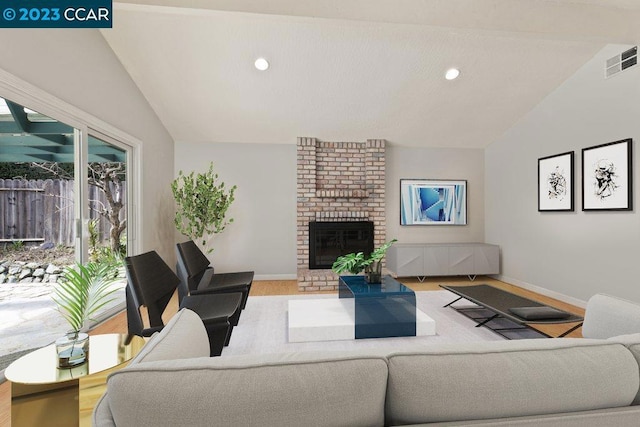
column 443, row 259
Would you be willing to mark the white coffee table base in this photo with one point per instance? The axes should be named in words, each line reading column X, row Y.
column 334, row 319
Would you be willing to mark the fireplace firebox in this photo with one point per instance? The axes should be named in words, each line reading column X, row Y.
column 330, row 239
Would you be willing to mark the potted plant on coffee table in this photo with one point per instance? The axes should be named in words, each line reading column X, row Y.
column 356, row 263
column 80, row 292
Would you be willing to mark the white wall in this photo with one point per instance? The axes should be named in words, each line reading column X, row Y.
column 262, row 237
column 574, row 254
column 436, row 163
column 78, row 67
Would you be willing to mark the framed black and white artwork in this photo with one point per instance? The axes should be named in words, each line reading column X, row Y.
column 607, row 177
column 555, row 183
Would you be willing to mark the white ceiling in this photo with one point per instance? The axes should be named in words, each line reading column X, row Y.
column 348, row 70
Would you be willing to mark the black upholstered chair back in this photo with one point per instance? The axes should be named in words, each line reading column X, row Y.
column 153, row 282
column 192, row 263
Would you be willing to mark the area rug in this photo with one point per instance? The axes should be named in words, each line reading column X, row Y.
column 263, row 327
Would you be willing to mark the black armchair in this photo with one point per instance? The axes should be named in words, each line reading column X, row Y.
column 152, row 283
column 195, row 270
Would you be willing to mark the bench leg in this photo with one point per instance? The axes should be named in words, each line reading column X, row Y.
column 570, row 330
column 445, row 306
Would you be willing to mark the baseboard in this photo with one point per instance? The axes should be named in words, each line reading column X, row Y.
column 275, row 277
column 543, row 291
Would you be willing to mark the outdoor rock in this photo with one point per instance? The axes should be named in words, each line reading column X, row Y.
column 52, row 269
column 18, row 272
column 25, row 272
column 47, row 245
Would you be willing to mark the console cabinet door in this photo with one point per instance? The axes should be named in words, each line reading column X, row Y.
column 406, row 260
column 461, row 260
column 486, row 259
column 436, row 261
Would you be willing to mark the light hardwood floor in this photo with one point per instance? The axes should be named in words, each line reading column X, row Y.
column 118, row 323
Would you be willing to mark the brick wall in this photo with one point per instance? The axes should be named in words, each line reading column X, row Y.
column 337, row 181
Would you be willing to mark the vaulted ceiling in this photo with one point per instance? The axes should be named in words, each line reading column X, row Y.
column 356, row 69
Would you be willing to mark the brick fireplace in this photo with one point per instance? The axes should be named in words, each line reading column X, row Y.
column 337, row 181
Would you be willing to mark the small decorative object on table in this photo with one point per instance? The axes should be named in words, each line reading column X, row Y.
column 355, row 263
column 80, row 292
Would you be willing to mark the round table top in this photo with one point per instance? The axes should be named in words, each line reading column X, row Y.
column 41, row 366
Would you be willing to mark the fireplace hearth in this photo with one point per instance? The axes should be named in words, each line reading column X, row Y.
column 330, row 239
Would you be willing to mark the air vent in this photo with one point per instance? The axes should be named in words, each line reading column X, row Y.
column 618, row 63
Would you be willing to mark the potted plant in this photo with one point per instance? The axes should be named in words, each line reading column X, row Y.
column 355, row 263
column 80, row 292
column 202, row 204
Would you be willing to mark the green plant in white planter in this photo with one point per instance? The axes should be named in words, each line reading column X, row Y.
column 202, row 205
column 81, row 291
column 356, row 263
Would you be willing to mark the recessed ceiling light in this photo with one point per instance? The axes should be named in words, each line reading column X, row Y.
column 452, row 73
column 261, row 64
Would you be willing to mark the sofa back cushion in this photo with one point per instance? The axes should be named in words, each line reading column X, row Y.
column 285, row 390
column 607, row 316
column 632, row 342
column 505, row 379
column 184, row 336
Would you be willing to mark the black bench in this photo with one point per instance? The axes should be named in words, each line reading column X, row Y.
column 508, row 314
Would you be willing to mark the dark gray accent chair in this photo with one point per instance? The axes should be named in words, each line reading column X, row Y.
column 152, row 283
column 194, row 268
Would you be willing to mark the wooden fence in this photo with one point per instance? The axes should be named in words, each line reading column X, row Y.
column 42, row 211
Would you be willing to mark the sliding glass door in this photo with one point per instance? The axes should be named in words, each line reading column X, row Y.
column 38, row 168
column 107, row 198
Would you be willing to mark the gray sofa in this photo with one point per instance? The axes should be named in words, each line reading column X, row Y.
column 552, row 382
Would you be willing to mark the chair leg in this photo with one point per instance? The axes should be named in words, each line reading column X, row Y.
column 226, row 341
column 217, row 333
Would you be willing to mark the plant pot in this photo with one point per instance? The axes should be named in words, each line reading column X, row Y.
column 72, row 349
column 373, row 273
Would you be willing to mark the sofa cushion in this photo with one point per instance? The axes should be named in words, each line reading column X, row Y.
column 184, row 336
column 607, row 316
column 632, row 341
column 309, row 390
column 507, row 379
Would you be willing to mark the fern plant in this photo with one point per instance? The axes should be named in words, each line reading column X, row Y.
column 202, row 204
column 82, row 290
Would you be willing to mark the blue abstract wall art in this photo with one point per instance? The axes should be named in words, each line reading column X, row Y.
column 433, row 202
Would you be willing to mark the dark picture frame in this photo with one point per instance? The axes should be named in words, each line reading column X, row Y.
column 556, row 183
column 607, row 173
column 433, row 202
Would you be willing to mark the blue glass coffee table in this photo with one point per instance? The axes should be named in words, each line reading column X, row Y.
column 383, row 310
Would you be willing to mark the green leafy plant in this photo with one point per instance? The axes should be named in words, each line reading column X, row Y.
column 17, row 245
column 356, row 263
column 202, row 204
column 94, row 234
column 82, row 290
